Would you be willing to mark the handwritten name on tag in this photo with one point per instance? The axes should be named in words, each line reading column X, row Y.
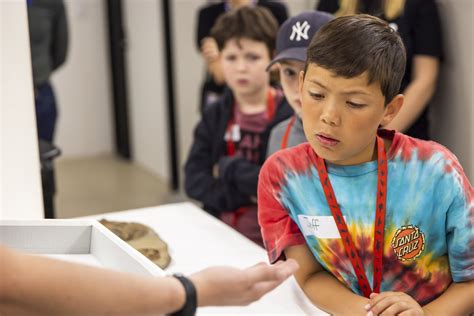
column 319, row 226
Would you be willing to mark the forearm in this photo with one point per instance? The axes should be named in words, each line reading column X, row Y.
column 247, row 181
column 214, row 193
column 328, row 294
column 417, row 95
column 456, row 300
column 321, row 287
column 48, row 286
column 214, row 68
column 240, row 173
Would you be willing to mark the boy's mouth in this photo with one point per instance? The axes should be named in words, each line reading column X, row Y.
column 326, row 140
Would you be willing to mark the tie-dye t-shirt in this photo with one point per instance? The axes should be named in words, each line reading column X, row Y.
column 429, row 238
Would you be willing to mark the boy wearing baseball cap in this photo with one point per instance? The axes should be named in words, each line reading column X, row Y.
column 292, row 42
column 380, row 223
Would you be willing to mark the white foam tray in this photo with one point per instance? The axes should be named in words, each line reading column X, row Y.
column 81, row 241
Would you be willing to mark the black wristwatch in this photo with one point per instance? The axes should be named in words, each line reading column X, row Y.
column 190, row 304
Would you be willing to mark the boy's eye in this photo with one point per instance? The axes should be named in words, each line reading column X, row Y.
column 316, row 96
column 253, row 57
column 355, row 105
column 230, row 57
column 289, row 72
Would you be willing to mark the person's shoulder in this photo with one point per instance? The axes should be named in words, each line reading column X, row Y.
column 280, row 128
column 435, row 158
column 292, row 160
column 221, row 106
column 296, row 157
column 408, row 147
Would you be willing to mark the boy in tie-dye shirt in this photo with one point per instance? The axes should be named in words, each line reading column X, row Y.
column 362, row 204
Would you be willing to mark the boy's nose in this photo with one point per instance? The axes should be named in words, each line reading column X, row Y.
column 330, row 115
column 241, row 65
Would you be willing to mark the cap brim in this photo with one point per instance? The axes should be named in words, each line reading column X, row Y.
column 294, row 53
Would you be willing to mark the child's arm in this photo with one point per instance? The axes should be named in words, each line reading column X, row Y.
column 199, row 181
column 456, row 300
column 240, row 173
column 323, row 289
column 210, row 52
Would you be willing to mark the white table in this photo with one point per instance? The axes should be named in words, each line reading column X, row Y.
column 197, row 240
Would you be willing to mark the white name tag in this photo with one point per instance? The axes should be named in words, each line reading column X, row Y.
column 319, row 226
column 236, row 133
column 233, row 134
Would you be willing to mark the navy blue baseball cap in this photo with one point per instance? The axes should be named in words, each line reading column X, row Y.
column 295, row 34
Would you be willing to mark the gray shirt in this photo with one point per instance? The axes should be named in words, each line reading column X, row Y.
column 48, row 37
column 295, row 137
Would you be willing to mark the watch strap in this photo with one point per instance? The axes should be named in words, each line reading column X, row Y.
column 190, row 304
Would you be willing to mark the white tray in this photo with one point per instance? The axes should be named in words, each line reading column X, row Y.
column 81, row 241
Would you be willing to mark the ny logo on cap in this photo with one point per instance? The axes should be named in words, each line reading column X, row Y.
column 300, row 31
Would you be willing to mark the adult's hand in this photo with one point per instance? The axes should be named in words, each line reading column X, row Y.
column 231, row 286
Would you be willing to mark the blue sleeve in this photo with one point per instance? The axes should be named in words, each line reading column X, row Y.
column 460, row 233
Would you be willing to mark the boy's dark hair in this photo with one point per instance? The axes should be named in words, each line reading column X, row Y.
column 351, row 45
column 255, row 23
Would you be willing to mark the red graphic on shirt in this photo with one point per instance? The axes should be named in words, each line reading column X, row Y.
column 408, row 243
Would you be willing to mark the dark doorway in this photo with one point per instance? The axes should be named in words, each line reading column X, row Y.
column 117, row 42
column 166, row 10
column 119, row 79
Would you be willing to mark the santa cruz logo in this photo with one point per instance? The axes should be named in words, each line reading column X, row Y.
column 408, row 243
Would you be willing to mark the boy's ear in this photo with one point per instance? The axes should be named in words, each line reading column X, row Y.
column 392, row 109
column 300, row 83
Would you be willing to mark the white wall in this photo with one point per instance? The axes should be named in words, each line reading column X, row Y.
column 84, row 89
column 21, row 196
column 189, row 70
column 297, row 6
column 82, row 84
column 453, row 108
column 146, row 85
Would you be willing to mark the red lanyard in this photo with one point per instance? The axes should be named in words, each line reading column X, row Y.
column 230, row 145
column 284, row 141
column 380, row 208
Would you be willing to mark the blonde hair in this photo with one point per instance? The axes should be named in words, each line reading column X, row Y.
column 392, row 8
